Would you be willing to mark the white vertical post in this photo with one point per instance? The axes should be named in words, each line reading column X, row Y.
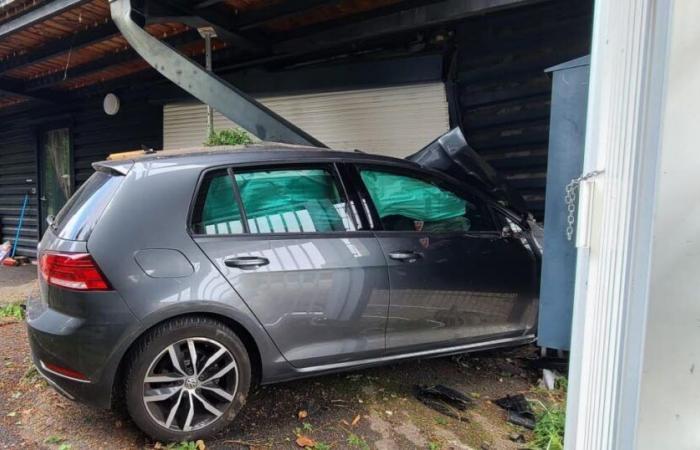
column 626, row 90
column 207, row 33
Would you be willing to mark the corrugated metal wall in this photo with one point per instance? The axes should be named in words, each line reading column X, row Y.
column 503, row 93
column 94, row 136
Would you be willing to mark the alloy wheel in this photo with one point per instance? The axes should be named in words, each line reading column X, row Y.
column 190, row 384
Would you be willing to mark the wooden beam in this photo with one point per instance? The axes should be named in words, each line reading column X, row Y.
column 407, row 20
column 158, row 11
column 99, row 64
column 40, row 14
column 76, row 41
column 15, row 88
column 282, row 10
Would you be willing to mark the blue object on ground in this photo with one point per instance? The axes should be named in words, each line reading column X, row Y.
column 19, row 225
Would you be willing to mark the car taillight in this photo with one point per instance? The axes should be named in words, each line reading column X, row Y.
column 76, row 271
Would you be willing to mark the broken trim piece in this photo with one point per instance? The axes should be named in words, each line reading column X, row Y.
column 205, row 86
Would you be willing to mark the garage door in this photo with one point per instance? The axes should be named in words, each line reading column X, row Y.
column 393, row 121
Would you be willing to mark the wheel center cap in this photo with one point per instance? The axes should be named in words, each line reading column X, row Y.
column 191, row 383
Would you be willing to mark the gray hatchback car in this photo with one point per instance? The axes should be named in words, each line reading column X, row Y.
column 172, row 282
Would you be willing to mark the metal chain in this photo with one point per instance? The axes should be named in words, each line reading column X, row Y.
column 570, row 200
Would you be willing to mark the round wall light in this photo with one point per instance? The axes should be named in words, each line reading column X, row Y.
column 111, row 104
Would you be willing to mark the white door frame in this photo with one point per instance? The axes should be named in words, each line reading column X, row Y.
column 627, row 89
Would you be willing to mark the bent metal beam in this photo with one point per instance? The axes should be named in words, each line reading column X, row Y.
column 206, row 86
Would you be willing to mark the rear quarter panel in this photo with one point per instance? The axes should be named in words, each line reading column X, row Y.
column 150, row 212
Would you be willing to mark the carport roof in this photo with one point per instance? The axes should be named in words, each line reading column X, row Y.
column 57, row 50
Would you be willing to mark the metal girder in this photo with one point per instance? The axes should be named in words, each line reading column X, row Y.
column 206, row 86
column 77, row 41
column 37, row 15
column 406, row 20
column 158, row 11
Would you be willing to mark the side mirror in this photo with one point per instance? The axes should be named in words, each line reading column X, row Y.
column 506, row 232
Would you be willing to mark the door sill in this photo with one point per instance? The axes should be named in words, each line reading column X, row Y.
column 443, row 351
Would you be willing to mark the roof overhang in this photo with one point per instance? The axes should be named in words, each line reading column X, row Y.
column 64, row 49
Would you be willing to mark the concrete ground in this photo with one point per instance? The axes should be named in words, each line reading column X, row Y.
column 16, row 283
column 373, row 408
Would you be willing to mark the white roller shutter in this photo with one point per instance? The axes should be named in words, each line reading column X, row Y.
column 394, row 121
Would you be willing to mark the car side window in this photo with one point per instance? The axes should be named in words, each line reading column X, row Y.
column 293, row 200
column 408, row 203
column 216, row 210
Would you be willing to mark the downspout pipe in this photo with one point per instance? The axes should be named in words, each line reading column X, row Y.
column 207, row 87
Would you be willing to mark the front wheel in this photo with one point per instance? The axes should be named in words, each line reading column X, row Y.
column 187, row 379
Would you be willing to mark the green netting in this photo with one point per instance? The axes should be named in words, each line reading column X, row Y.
column 396, row 195
column 220, row 214
column 290, row 200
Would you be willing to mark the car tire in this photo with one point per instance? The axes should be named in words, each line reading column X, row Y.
column 164, row 353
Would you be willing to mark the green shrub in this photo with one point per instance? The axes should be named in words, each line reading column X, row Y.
column 232, row 136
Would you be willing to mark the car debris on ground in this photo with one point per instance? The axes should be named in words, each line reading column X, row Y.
column 445, row 400
column 519, row 410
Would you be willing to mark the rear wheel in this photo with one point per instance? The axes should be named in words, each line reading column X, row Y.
column 187, row 379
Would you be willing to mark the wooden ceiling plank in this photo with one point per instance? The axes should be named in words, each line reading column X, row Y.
column 52, row 49
column 38, row 15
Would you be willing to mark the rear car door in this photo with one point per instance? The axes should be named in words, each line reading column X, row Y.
column 286, row 239
column 454, row 277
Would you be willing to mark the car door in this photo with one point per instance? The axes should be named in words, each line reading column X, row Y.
column 283, row 236
column 454, row 277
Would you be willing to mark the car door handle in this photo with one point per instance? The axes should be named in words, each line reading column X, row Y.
column 247, row 262
column 405, row 256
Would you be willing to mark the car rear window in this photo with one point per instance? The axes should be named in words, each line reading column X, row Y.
column 78, row 217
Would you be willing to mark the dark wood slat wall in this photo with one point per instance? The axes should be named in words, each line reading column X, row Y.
column 17, row 176
column 94, row 136
column 503, row 93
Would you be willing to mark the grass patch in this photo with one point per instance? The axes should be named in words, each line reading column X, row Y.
column 14, row 311
column 356, row 441
column 549, row 430
column 54, row 440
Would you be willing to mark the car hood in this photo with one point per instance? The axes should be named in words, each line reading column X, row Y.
column 451, row 154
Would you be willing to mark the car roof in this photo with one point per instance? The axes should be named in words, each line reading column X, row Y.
column 272, row 152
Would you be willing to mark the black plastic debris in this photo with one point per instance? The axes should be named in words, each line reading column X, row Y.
column 445, row 400
column 519, row 411
column 561, row 365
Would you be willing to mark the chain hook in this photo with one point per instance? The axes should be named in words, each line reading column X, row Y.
column 570, row 200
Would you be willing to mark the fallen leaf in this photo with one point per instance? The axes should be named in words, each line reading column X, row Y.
column 304, row 441
column 11, row 414
column 355, row 420
column 200, row 445
column 302, row 414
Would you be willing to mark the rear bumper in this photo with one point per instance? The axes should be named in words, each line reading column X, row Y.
column 89, row 337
